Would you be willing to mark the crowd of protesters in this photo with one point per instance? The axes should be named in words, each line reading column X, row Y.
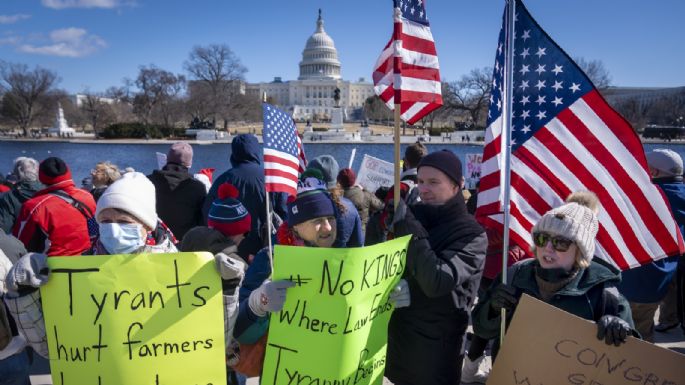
column 452, row 270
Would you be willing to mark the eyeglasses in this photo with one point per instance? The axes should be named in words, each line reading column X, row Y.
column 558, row 243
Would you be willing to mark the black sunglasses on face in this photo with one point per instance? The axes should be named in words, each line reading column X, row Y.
column 558, row 243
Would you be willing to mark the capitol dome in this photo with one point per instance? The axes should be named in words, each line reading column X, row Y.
column 319, row 58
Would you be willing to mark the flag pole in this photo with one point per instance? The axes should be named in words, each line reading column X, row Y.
column 506, row 144
column 397, row 82
column 268, row 213
column 396, row 187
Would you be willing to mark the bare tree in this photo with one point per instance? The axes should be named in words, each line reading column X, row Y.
column 170, row 108
column 121, row 93
column 156, row 88
column 635, row 112
column 245, row 108
column 216, row 69
column 668, row 110
column 470, row 94
column 95, row 111
column 196, row 105
column 24, row 90
column 376, row 109
column 441, row 114
column 122, row 108
column 596, row 71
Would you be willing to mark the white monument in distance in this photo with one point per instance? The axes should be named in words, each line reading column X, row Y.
column 61, row 128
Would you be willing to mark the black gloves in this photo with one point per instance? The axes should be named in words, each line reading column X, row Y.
column 390, row 216
column 613, row 330
column 401, row 221
column 503, row 297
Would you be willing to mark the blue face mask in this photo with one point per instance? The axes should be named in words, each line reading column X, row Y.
column 121, row 238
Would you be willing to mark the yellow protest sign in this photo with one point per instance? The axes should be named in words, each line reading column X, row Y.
column 135, row 319
column 333, row 328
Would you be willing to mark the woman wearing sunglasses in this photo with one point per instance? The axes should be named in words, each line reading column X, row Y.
column 562, row 273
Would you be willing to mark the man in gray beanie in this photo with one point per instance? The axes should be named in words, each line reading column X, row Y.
column 26, row 173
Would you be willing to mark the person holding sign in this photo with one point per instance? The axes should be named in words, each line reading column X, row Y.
column 444, row 265
column 128, row 224
column 563, row 274
column 311, row 222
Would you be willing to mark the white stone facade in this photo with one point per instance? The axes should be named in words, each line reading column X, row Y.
column 312, row 94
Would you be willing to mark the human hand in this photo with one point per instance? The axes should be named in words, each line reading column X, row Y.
column 230, row 266
column 503, row 297
column 232, row 270
column 399, row 295
column 269, row 297
column 613, row 330
column 31, row 270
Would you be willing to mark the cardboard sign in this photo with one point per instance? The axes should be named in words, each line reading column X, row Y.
column 473, row 164
column 135, row 319
column 333, row 328
column 545, row 345
column 161, row 160
column 375, row 173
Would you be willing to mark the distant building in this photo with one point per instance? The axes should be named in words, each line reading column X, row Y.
column 80, row 99
column 643, row 95
column 320, row 74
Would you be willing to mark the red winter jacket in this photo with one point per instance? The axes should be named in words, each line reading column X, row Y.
column 48, row 224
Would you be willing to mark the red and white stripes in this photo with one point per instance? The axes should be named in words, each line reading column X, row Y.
column 581, row 149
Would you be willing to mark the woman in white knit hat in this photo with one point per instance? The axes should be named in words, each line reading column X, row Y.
column 128, row 224
column 128, row 220
column 563, row 274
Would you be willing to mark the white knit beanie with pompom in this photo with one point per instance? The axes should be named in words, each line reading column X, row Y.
column 575, row 220
column 133, row 193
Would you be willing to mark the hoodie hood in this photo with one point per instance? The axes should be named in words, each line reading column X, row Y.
column 25, row 190
column 245, row 149
column 171, row 174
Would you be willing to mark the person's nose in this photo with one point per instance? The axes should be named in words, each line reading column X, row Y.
column 327, row 226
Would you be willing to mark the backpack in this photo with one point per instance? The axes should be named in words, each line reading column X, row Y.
column 93, row 227
column 413, row 192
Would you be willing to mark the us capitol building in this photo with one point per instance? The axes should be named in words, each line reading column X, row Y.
column 311, row 95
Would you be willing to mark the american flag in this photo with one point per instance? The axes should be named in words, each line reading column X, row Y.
column 407, row 72
column 284, row 157
column 565, row 138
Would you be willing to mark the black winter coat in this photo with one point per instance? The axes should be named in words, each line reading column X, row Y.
column 247, row 175
column 587, row 295
column 11, row 201
column 444, row 266
column 179, row 198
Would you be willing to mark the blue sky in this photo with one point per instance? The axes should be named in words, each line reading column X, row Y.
column 96, row 43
